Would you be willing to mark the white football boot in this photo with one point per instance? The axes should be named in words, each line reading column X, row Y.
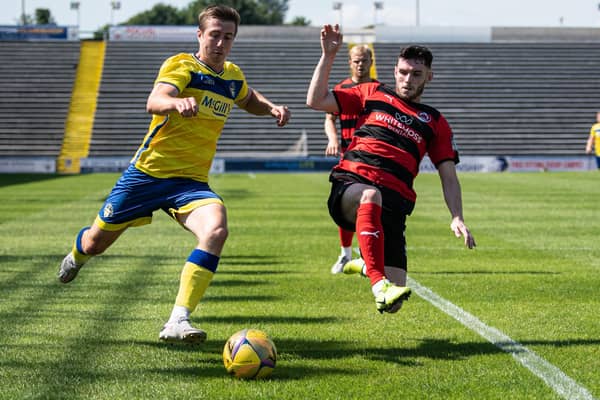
column 181, row 332
column 68, row 269
column 338, row 267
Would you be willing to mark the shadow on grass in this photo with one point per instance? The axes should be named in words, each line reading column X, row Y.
column 248, row 259
column 215, row 369
column 436, row 349
column 205, row 360
column 235, row 194
column 292, row 352
column 243, row 320
column 227, row 264
column 18, row 179
column 223, row 271
column 239, row 298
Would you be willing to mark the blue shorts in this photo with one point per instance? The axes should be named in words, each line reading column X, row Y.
column 137, row 195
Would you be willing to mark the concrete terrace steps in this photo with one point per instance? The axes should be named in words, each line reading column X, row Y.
column 36, row 81
column 509, row 98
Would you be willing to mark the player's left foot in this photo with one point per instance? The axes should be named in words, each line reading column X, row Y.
column 181, row 332
column 390, row 295
column 68, row 269
column 339, row 265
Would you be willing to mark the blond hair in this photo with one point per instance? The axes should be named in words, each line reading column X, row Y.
column 362, row 49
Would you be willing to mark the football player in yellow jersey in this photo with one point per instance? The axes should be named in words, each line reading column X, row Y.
column 190, row 102
column 594, row 140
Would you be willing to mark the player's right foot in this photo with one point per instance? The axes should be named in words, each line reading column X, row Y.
column 338, row 267
column 68, row 269
column 355, row 266
column 181, row 332
column 390, row 295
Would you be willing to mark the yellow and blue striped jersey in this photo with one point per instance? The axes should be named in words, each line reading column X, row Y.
column 595, row 132
column 175, row 146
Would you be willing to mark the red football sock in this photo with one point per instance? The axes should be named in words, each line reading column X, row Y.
column 369, row 233
column 346, row 237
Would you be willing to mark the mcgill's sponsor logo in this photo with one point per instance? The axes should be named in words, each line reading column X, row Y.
column 218, row 107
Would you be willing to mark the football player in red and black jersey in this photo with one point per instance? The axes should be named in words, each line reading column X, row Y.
column 372, row 185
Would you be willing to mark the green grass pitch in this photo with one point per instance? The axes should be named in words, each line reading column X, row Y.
column 535, row 276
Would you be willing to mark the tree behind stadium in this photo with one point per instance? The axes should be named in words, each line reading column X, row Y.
column 253, row 12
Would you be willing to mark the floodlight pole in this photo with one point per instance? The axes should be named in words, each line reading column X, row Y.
column 377, row 5
column 337, row 6
column 23, row 12
column 114, row 5
column 417, row 16
column 75, row 6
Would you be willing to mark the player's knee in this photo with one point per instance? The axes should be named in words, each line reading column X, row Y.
column 218, row 234
column 95, row 241
column 371, row 195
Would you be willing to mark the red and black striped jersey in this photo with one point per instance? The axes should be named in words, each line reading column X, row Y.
column 348, row 122
column 393, row 139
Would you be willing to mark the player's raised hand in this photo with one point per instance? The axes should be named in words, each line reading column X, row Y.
column 331, row 39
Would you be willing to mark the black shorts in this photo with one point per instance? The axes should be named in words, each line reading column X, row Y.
column 393, row 219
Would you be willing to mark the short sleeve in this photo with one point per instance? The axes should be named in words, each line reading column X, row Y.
column 243, row 89
column 442, row 147
column 176, row 72
column 351, row 100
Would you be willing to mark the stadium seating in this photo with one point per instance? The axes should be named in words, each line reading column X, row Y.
column 36, row 80
column 501, row 98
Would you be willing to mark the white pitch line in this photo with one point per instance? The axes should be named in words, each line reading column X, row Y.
column 551, row 375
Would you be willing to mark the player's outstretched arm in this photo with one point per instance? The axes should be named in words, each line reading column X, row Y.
column 257, row 104
column 319, row 97
column 453, row 198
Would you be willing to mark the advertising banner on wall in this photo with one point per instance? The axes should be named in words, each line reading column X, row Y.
column 29, row 165
column 37, row 32
column 518, row 164
column 152, row 33
column 546, row 163
column 313, row 164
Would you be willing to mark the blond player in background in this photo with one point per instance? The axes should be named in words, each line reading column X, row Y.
column 360, row 61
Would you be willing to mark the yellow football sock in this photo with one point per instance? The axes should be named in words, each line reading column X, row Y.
column 78, row 254
column 79, row 258
column 193, row 283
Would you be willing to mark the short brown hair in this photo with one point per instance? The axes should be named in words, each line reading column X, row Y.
column 415, row 52
column 220, row 12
